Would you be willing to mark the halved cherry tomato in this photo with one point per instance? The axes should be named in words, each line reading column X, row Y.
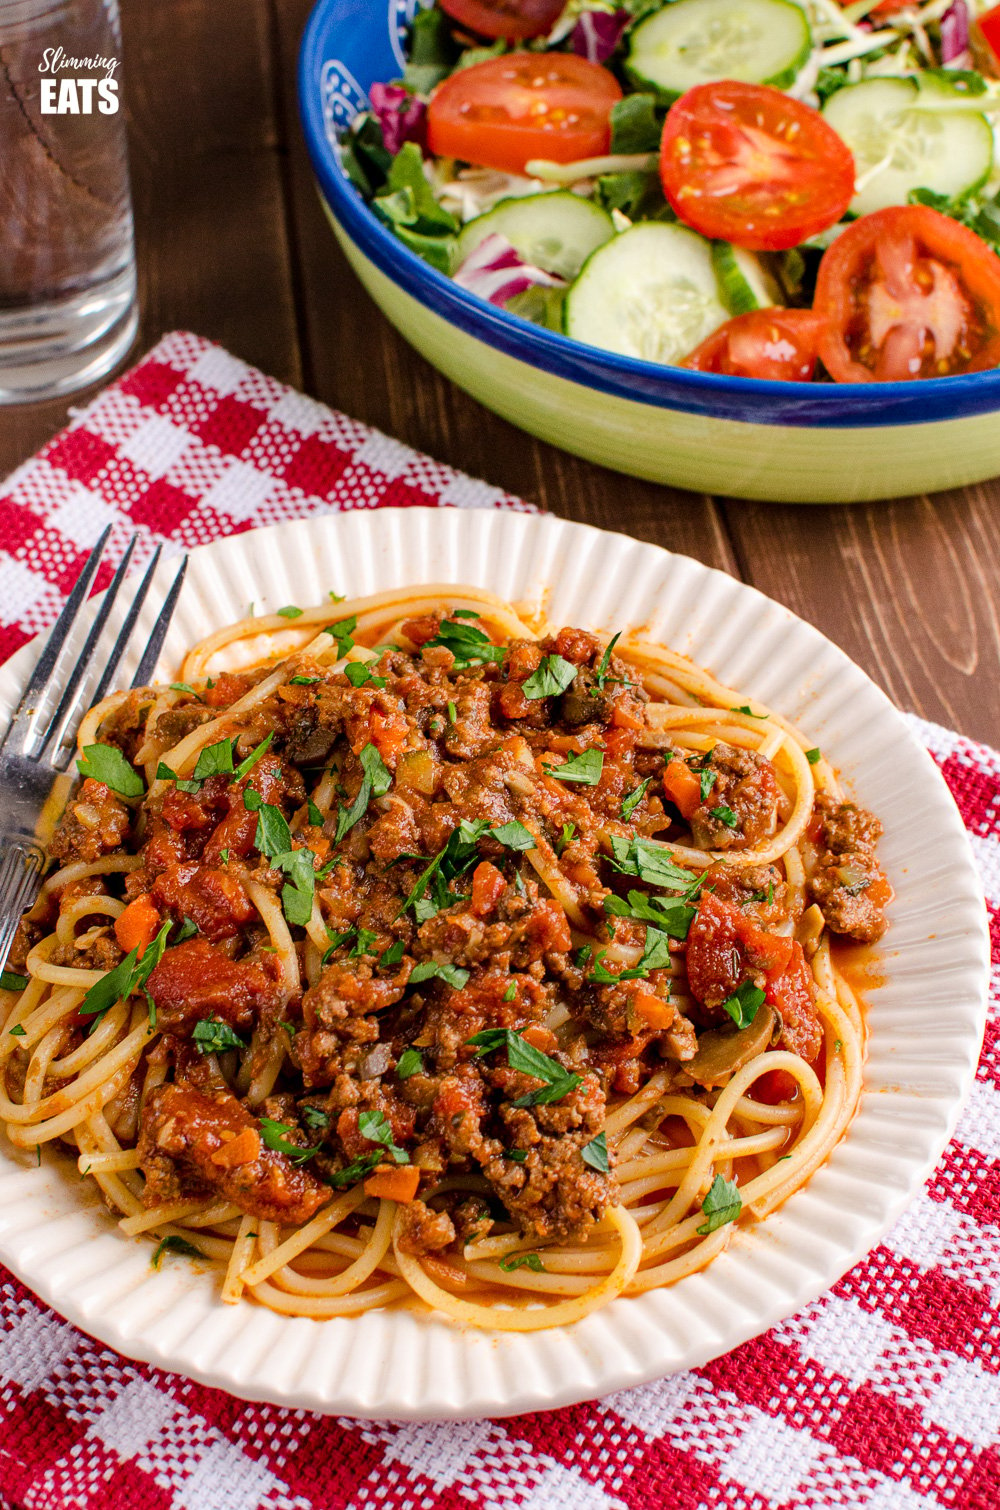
column 747, row 164
column 513, row 19
column 766, row 343
column 908, row 293
column 989, row 27
column 506, row 111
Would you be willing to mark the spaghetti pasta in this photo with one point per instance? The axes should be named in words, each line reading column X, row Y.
column 444, row 960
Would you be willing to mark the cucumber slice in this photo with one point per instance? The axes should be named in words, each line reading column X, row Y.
column 950, row 152
column 556, row 232
column 650, row 293
column 743, row 284
column 698, row 41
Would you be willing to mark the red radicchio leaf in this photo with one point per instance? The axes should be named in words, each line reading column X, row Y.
column 598, row 32
column 400, row 114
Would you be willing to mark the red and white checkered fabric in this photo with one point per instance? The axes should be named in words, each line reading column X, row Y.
column 884, row 1395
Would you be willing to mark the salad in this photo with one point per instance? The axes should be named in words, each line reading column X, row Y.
column 786, row 189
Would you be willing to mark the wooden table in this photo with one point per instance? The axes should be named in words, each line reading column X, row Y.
column 232, row 244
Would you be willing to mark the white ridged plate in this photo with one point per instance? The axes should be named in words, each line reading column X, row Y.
column 926, row 1020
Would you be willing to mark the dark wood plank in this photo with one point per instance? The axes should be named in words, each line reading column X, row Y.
column 356, row 361
column 207, row 189
column 909, row 588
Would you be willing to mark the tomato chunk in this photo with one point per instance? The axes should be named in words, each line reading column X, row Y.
column 515, row 20
column 779, row 344
column 506, row 111
column 908, row 293
column 747, row 164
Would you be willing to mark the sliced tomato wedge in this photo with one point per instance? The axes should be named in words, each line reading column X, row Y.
column 506, row 111
column 766, row 343
column 908, row 293
column 747, row 164
column 516, row 20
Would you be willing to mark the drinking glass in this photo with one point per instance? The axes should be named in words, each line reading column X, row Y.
column 68, row 309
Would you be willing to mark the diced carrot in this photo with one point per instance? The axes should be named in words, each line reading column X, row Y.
column 242, row 1149
column 487, row 888
column 880, row 892
column 138, row 925
column 627, row 714
column 658, row 1014
column 393, row 1183
column 540, row 1037
column 683, row 787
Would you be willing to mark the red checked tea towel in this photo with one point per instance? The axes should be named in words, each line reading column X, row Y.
column 883, row 1395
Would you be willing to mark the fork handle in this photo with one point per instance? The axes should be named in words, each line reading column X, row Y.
column 22, row 862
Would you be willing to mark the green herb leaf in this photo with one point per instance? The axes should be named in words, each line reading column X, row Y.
column 213, row 1037
column 164, row 773
column 128, row 976
column 671, row 914
column 596, row 1154
column 651, row 862
column 519, row 1155
column 522, row 1261
column 246, row 766
column 602, row 673
column 11, row 982
column 374, row 1126
column 722, row 1204
column 185, row 687
column 315, row 1117
column 566, row 837
column 708, row 780
column 814, row 756
column 19, row 1031
column 106, row 763
column 289, row 611
column 342, row 632
column 551, row 678
column 215, row 760
column 742, row 1006
column 510, row 992
column 725, row 815
column 655, row 955
column 392, row 955
column 632, row 799
column 470, row 646
column 746, row 708
column 513, row 835
column 452, row 712
column 340, row 1179
column 273, row 837
column 585, row 768
column 359, row 674
column 636, row 125
column 299, row 865
column 410, row 1063
column 452, row 975
column 272, row 1135
column 302, row 681
column 174, row 1244
column 523, row 1056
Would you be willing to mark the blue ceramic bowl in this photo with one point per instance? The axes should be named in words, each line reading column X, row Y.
column 795, row 442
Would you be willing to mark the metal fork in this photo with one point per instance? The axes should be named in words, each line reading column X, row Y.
column 39, row 744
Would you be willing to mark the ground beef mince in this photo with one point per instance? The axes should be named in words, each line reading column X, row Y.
column 410, row 899
column 847, row 883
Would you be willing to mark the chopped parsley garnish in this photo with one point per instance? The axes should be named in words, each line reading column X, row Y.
column 20, row 1031
column 130, row 974
column 585, row 768
column 465, row 613
column 601, row 674
column 335, row 597
column 185, row 687
column 315, row 1116
column 213, row 1037
column 428, row 969
column 671, row 914
column 725, row 815
column 187, row 930
column 743, row 1004
column 215, row 760
column 814, row 756
column 513, row 835
column 522, row 1261
column 302, row 681
column 632, row 799
column 651, row 862
column 518, row 1155
column 552, row 676
column 722, row 1204
column 359, row 674
column 452, row 712
column 272, row 1134
column 458, row 855
column 375, row 782
column 289, row 612
column 655, row 954
column 313, row 813
column 566, row 837
column 374, row 1126
column 596, row 1154
column 470, row 646
column 174, row 1244
column 224, row 856
column 364, row 944
column 107, row 764
column 510, row 992
column 410, row 1063
column 274, row 840
column 583, row 956
column 746, row 708
column 391, row 956
column 708, row 780
column 246, row 766
column 521, row 1055
column 342, row 632
column 11, row 982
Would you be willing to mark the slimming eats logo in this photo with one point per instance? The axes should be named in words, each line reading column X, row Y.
column 76, row 96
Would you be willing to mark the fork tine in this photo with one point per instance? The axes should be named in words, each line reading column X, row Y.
column 125, row 633
column 61, row 630
column 151, row 654
column 85, row 660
